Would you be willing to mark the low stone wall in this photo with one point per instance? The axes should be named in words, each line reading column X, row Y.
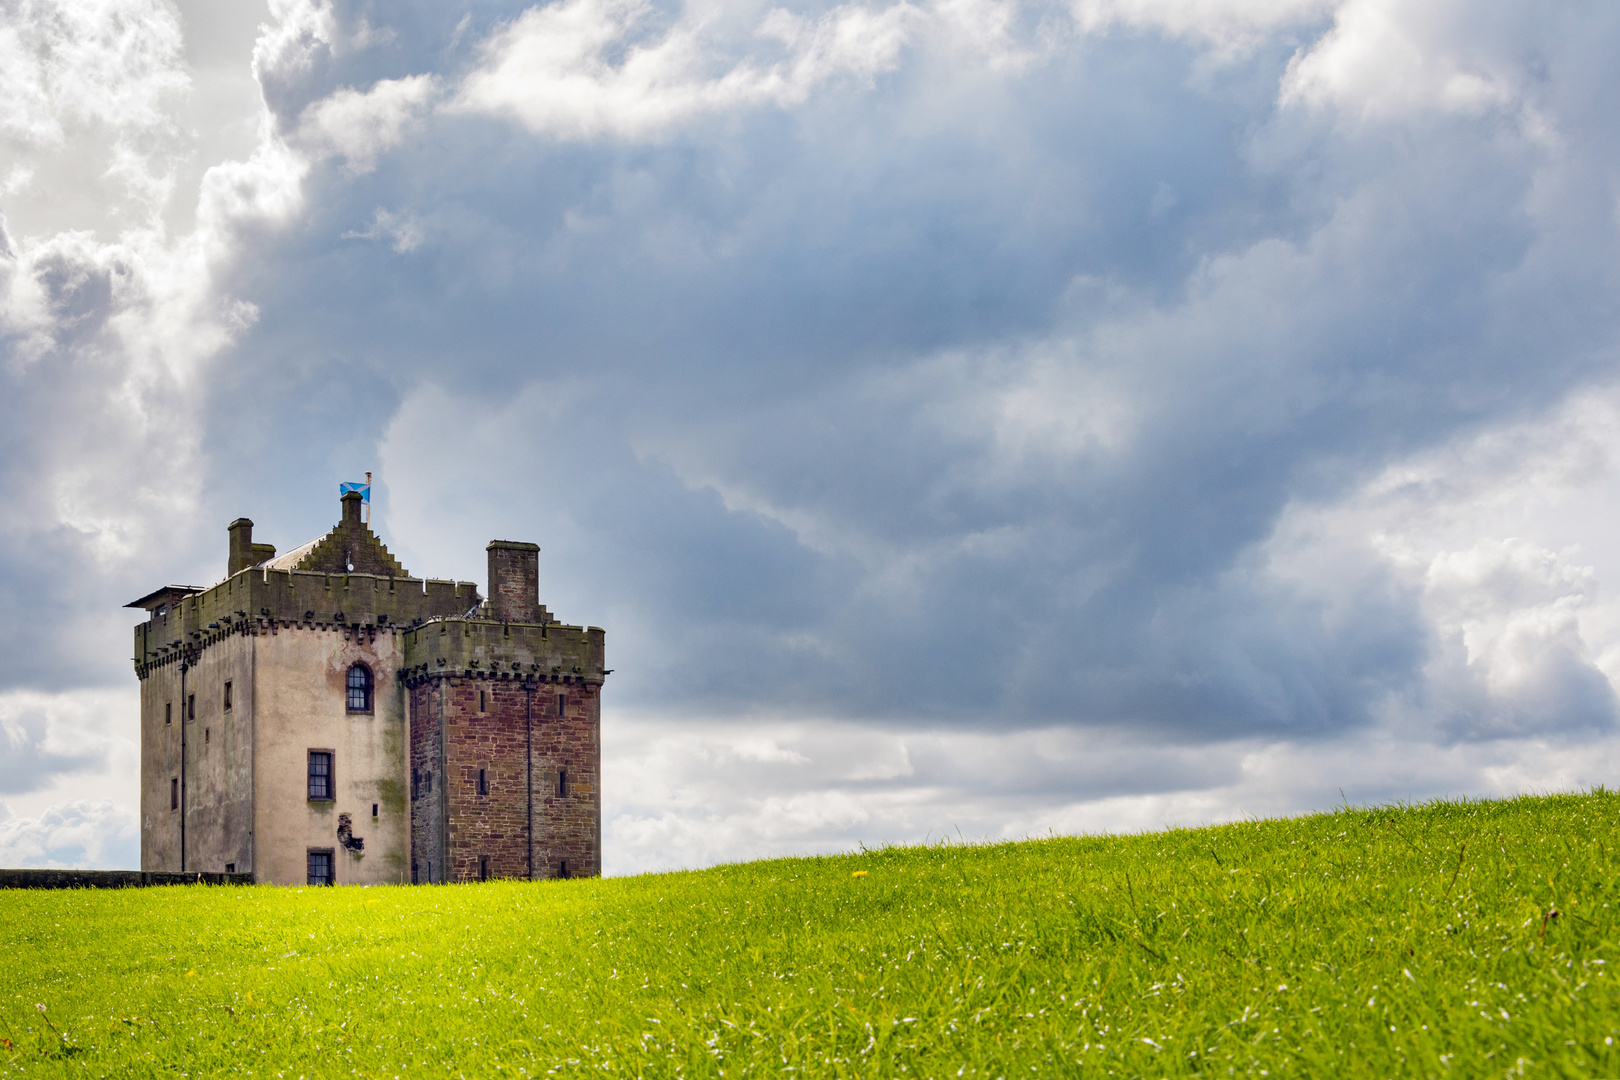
column 111, row 879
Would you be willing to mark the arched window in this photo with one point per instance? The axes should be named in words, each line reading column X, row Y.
column 359, row 688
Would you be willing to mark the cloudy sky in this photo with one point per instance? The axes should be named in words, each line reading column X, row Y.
column 967, row 417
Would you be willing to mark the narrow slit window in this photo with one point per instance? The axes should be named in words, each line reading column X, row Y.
column 360, row 688
column 483, row 782
column 168, row 713
column 227, row 697
column 480, row 701
column 174, row 793
column 562, row 704
column 562, row 868
column 191, row 706
column 483, row 868
column 208, row 735
column 373, row 810
column 562, row 781
column 320, row 867
column 320, row 774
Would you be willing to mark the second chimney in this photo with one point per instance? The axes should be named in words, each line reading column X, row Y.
column 514, row 580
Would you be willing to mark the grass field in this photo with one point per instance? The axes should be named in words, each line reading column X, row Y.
column 1415, row 941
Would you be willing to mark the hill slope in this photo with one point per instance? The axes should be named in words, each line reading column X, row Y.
column 1408, row 941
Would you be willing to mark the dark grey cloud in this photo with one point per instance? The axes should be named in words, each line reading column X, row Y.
column 782, row 335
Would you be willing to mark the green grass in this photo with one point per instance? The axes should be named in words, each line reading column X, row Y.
column 1410, row 941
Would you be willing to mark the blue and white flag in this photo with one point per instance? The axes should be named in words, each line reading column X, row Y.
column 363, row 488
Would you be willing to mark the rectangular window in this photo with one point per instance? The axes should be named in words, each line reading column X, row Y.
column 480, row 701
column 230, row 868
column 562, row 868
column 191, row 706
column 320, row 867
column 168, row 713
column 483, row 783
column 227, row 697
column 174, row 793
column 562, row 781
column 208, row 735
column 373, row 810
column 483, row 868
column 562, row 704
column 320, row 774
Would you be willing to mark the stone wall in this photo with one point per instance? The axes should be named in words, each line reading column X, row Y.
column 111, row 879
column 517, row 778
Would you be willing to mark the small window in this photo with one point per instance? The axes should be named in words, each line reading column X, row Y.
column 320, row 867
column 227, row 697
column 483, row 868
column 373, row 810
column 480, row 701
column 562, row 868
column 230, row 868
column 208, row 735
column 483, row 783
column 320, row 774
column 191, row 706
column 562, row 704
column 174, row 793
column 562, row 782
column 168, row 713
column 359, row 688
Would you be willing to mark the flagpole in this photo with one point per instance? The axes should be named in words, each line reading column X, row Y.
column 368, row 500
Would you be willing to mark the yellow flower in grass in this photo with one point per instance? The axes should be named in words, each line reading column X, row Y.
column 858, row 873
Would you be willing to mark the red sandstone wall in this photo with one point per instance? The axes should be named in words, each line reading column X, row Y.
column 570, row 827
column 467, row 831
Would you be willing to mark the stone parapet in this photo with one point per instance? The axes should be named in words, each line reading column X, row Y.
column 503, row 651
column 258, row 598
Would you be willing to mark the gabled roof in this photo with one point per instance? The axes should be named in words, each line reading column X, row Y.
column 351, row 547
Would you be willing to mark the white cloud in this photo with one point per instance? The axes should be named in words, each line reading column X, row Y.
column 81, row 835
column 576, row 69
column 1230, row 25
column 360, row 126
column 1384, row 59
column 402, row 232
column 113, row 62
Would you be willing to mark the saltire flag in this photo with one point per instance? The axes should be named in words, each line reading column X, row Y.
column 363, row 488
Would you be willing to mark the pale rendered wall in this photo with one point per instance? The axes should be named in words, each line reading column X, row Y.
column 219, row 752
column 301, row 706
column 160, row 761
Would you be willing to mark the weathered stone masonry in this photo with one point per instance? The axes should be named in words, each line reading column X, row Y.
column 479, row 756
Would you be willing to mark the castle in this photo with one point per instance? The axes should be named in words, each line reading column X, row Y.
column 326, row 718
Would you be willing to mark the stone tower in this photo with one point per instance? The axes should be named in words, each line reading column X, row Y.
column 326, row 718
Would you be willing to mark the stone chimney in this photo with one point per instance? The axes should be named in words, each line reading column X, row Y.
column 241, row 556
column 514, row 581
column 351, row 510
column 244, row 552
